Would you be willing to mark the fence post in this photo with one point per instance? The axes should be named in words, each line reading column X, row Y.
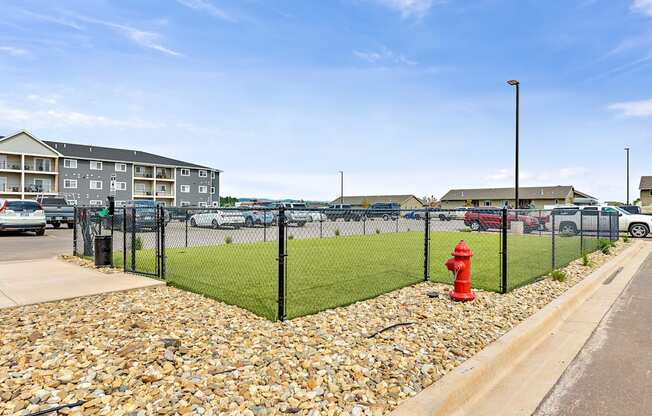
column 74, row 232
column 364, row 225
column 581, row 232
column 554, row 260
column 598, row 227
column 124, row 239
column 503, row 251
column 426, row 248
column 186, row 216
column 321, row 222
column 281, row 264
column 133, row 240
column 162, row 244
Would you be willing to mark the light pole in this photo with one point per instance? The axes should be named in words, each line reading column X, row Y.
column 515, row 83
column 627, row 151
column 341, row 187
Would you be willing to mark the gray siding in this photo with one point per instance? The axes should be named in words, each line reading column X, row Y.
column 83, row 174
column 194, row 181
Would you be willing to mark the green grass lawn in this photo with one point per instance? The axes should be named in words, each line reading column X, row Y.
column 330, row 272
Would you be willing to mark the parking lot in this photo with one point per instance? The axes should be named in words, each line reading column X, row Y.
column 26, row 246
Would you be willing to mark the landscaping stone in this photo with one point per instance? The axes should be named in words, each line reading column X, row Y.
column 166, row 351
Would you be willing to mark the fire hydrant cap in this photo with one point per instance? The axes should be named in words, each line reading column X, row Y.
column 462, row 250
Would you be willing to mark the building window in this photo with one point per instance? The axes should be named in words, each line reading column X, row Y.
column 203, row 189
column 141, row 188
column 202, row 204
column 96, row 202
column 70, row 163
column 120, row 167
column 185, row 172
column 96, row 185
column 70, row 183
column 487, row 203
column 121, row 186
column 185, row 203
column 203, row 174
column 212, row 190
column 96, row 165
column 72, row 202
column 216, row 204
column 185, row 189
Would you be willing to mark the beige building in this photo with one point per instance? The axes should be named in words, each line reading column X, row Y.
column 364, row 201
column 646, row 194
column 532, row 196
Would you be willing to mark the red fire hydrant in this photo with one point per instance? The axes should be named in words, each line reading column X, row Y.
column 460, row 265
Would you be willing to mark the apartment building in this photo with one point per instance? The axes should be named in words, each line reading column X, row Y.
column 87, row 174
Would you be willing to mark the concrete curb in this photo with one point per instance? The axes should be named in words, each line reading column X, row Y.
column 477, row 375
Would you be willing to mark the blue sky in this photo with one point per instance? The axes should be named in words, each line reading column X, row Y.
column 404, row 96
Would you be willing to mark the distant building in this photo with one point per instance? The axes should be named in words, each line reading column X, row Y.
column 531, row 196
column 364, row 201
column 86, row 174
column 646, row 194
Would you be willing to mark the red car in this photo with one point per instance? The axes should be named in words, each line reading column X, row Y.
column 491, row 219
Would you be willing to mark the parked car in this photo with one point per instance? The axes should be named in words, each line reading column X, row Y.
column 386, row 211
column 178, row 213
column 22, row 215
column 141, row 216
column 218, row 219
column 255, row 217
column 316, row 216
column 492, row 219
column 570, row 220
column 415, row 215
column 294, row 214
column 344, row 212
column 57, row 211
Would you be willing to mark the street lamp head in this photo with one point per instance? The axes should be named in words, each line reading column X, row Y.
column 513, row 82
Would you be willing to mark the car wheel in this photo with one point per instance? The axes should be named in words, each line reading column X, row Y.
column 193, row 223
column 638, row 230
column 215, row 225
column 568, row 228
column 56, row 225
column 301, row 224
column 442, row 217
column 249, row 222
column 70, row 225
column 475, row 225
column 386, row 217
column 40, row 232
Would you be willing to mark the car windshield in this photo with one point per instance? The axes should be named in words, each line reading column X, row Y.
column 23, row 206
column 53, row 201
column 145, row 204
column 622, row 211
column 302, row 206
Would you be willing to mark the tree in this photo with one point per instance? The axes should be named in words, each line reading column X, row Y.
column 637, row 201
column 365, row 203
column 228, row 201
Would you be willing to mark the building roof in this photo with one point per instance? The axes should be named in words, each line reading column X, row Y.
column 372, row 199
column 646, row 182
column 531, row 192
column 84, row 151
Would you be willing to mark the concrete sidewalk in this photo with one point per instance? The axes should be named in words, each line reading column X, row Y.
column 36, row 281
column 612, row 374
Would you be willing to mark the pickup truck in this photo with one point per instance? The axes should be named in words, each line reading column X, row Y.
column 343, row 211
column 570, row 220
column 383, row 210
column 57, row 211
column 492, row 219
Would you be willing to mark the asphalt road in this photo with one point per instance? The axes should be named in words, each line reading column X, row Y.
column 612, row 375
column 27, row 246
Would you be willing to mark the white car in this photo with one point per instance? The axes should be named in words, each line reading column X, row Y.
column 316, row 216
column 569, row 220
column 217, row 219
column 22, row 215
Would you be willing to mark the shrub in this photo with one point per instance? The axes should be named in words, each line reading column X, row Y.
column 586, row 262
column 558, row 275
column 377, row 231
column 139, row 243
column 605, row 246
column 228, row 239
column 290, row 237
column 465, row 230
column 625, row 238
column 337, row 232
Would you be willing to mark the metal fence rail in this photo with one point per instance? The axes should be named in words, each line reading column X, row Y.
column 283, row 263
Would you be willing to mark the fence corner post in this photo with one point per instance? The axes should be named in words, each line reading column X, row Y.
column 124, row 239
column 554, row 260
column 162, row 243
column 426, row 248
column 281, row 264
column 74, row 231
column 503, row 252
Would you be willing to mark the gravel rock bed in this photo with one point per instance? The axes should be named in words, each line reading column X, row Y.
column 166, row 351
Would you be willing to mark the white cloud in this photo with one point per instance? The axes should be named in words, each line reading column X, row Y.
column 42, row 99
column 505, row 177
column 51, row 118
column 641, row 108
column 410, row 8
column 206, row 6
column 143, row 38
column 642, row 6
column 383, row 57
column 13, row 51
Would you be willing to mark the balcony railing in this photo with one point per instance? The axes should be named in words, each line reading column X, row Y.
column 166, row 193
column 143, row 174
column 37, row 189
column 11, row 187
column 9, row 165
column 163, row 176
column 146, row 193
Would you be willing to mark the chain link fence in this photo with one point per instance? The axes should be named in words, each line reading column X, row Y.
column 284, row 263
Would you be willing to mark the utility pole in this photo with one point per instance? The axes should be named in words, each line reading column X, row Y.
column 341, row 187
column 515, row 83
column 627, row 151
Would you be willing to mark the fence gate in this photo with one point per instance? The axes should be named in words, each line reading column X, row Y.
column 143, row 240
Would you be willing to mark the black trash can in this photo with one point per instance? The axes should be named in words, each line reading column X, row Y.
column 103, row 250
